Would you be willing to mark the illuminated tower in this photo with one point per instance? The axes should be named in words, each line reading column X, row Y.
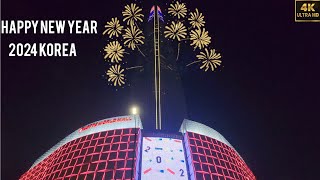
column 156, row 16
column 127, row 35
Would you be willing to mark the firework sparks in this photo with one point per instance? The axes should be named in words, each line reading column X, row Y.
column 132, row 13
column 176, row 31
column 209, row 59
column 113, row 28
column 196, row 19
column 178, row 9
column 115, row 74
column 184, row 26
column 200, row 38
column 133, row 37
column 114, row 51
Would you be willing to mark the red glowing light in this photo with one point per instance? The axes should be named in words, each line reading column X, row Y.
column 170, row 171
column 104, row 155
column 148, row 139
column 211, row 159
column 107, row 121
column 146, row 171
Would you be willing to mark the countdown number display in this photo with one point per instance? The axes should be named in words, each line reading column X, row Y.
column 163, row 158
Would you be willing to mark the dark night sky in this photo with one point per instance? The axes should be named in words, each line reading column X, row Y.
column 264, row 100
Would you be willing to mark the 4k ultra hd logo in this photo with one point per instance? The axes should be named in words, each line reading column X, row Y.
column 307, row 11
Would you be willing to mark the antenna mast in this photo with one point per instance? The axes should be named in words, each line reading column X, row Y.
column 157, row 71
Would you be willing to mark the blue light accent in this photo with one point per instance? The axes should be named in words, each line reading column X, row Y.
column 182, row 161
column 162, row 171
column 151, row 16
column 160, row 13
column 158, row 148
column 161, row 16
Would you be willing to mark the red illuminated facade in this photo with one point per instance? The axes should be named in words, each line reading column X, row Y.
column 212, row 159
column 113, row 149
column 103, row 155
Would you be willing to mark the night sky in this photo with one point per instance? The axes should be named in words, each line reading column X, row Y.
column 264, row 100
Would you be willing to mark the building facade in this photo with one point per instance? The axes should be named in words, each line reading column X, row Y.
column 118, row 148
column 106, row 149
column 210, row 155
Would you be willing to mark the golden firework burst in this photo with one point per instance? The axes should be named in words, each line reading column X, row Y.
column 200, row 38
column 196, row 19
column 209, row 59
column 132, row 13
column 178, row 9
column 115, row 74
column 176, row 30
column 114, row 51
column 133, row 36
column 113, row 28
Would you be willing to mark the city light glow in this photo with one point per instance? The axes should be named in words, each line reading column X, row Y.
column 134, row 110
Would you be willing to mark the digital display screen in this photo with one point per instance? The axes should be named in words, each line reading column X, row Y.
column 163, row 158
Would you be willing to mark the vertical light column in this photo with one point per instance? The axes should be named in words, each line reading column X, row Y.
column 157, row 71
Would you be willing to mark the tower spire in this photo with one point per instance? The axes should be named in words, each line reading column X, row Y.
column 157, row 68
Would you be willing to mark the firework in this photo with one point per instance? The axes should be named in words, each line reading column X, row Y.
column 133, row 36
column 114, row 52
column 200, row 38
column 196, row 19
column 178, row 10
column 181, row 27
column 115, row 74
column 132, row 14
column 113, row 28
column 209, row 59
column 176, row 31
